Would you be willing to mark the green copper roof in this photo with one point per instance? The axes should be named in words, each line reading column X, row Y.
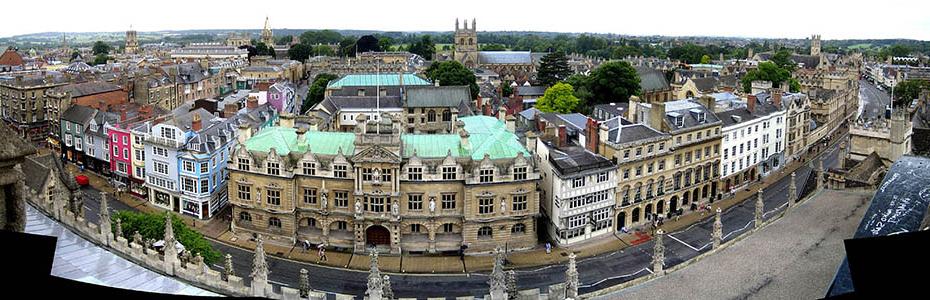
column 487, row 135
column 373, row 80
column 284, row 141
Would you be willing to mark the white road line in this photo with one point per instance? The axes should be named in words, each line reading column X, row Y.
column 279, row 283
column 650, row 271
column 738, row 230
column 682, row 242
column 614, row 277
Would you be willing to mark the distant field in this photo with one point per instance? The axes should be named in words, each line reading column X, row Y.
column 861, row 46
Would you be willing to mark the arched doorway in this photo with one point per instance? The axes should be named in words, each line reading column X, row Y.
column 685, row 197
column 635, row 215
column 696, row 195
column 660, row 207
column 673, row 204
column 649, row 211
column 377, row 235
column 621, row 220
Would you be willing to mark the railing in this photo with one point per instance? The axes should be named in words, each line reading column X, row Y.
column 164, row 141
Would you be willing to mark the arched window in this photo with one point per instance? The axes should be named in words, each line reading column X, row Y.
column 245, row 217
column 485, row 232
column 274, row 222
column 431, row 116
column 309, row 222
column 462, row 41
column 446, row 116
column 660, row 188
column 518, row 228
column 470, row 41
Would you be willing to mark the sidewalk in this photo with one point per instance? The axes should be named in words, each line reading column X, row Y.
column 218, row 229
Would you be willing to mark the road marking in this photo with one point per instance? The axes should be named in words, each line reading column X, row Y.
column 614, row 277
column 650, row 271
column 682, row 242
column 279, row 283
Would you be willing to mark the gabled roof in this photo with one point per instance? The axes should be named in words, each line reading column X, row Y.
column 705, row 84
column 531, row 90
column 651, row 79
column 86, row 89
column 623, row 134
column 361, row 102
column 78, row 114
column 436, row 96
column 383, row 79
column 574, row 160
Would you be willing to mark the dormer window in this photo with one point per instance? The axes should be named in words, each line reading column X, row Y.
column 519, row 173
column 486, row 175
column 449, row 173
column 414, row 173
column 309, row 168
column 244, row 164
column 273, row 168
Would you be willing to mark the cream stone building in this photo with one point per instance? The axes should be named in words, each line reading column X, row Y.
column 378, row 187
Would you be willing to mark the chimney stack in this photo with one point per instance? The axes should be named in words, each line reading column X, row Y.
column 463, row 135
column 502, row 114
column 122, row 114
column 776, row 98
column 511, row 122
column 245, row 133
column 301, row 136
column 196, row 123
column 286, row 120
column 563, row 136
column 531, row 141
column 751, row 103
column 252, row 102
column 592, row 130
column 709, row 101
column 229, row 110
column 631, row 111
column 657, row 116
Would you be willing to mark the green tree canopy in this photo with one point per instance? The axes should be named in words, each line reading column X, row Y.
column 424, row 47
column 299, row 52
column 493, row 47
column 767, row 71
column 75, row 54
column 689, row 53
column 316, row 91
column 347, row 47
column 705, row 59
column 452, row 73
column 614, row 81
column 262, row 49
column 368, row 43
column 908, row 90
column 560, row 98
column 101, row 48
column 553, row 68
column 101, row 58
column 783, row 60
column 152, row 226
column 315, row 37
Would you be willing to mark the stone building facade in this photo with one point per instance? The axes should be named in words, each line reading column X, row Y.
column 377, row 187
column 23, row 104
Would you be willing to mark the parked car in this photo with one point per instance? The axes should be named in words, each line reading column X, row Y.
column 82, row 180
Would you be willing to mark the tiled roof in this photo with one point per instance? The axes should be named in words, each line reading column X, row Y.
column 376, row 79
column 531, row 90
column 573, row 160
column 86, row 89
column 631, row 133
column 651, row 79
column 78, row 114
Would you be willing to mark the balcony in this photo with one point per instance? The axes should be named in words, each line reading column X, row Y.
column 174, row 143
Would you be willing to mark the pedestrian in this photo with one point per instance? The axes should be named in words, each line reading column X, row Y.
column 321, row 253
column 548, row 248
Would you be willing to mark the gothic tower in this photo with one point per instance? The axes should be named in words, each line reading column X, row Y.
column 466, row 44
column 815, row 45
column 132, row 41
column 267, row 35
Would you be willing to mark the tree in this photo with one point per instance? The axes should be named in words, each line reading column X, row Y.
column 506, row 89
column 101, row 48
column 316, row 37
column 101, row 58
column 284, row 40
column 689, row 53
column 316, row 91
column 560, row 98
column 580, row 83
column 908, row 90
column 385, row 43
column 262, row 49
column 767, row 71
column 252, row 50
column 299, row 52
column 75, row 54
column 452, row 73
column 368, row 43
column 553, row 68
column 783, row 60
column 424, row 47
column 705, row 59
column 614, row 81
column 323, row 50
column 493, row 47
column 347, row 47
column 152, row 226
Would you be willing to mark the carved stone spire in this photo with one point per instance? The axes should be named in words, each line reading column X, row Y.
column 760, row 208
column 259, row 269
column 171, row 251
column 304, row 283
column 571, row 278
column 228, row 268
column 717, row 234
column 119, row 228
column 497, row 280
column 658, row 253
column 375, row 282
column 388, row 291
column 511, row 284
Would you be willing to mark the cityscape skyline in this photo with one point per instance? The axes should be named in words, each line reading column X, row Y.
column 846, row 22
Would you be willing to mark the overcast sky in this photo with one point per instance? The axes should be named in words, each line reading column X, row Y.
column 747, row 18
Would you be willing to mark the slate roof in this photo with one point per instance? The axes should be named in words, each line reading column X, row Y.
column 101, row 118
column 705, row 84
column 573, row 122
column 689, row 110
column 368, row 90
column 504, row 57
column 762, row 109
column 576, row 160
column 808, row 61
column 78, row 114
column 651, row 79
column 622, row 134
column 611, row 110
column 436, row 96
column 530, row 113
column 531, row 90
column 86, row 89
column 187, row 72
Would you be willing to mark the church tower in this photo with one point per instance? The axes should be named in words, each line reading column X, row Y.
column 815, row 45
column 132, row 41
column 267, row 35
column 466, row 44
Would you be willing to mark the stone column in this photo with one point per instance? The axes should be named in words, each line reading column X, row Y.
column 571, row 278
column 820, row 174
column 760, row 208
column 792, row 190
column 717, row 234
column 432, row 237
column 119, row 229
column 658, row 254
column 304, row 283
column 497, row 280
column 259, row 270
column 171, row 252
column 375, row 281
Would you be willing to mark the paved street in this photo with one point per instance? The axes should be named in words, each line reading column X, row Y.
column 596, row 272
column 794, row 258
column 872, row 101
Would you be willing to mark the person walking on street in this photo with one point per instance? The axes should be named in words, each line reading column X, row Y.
column 548, row 248
column 322, row 253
